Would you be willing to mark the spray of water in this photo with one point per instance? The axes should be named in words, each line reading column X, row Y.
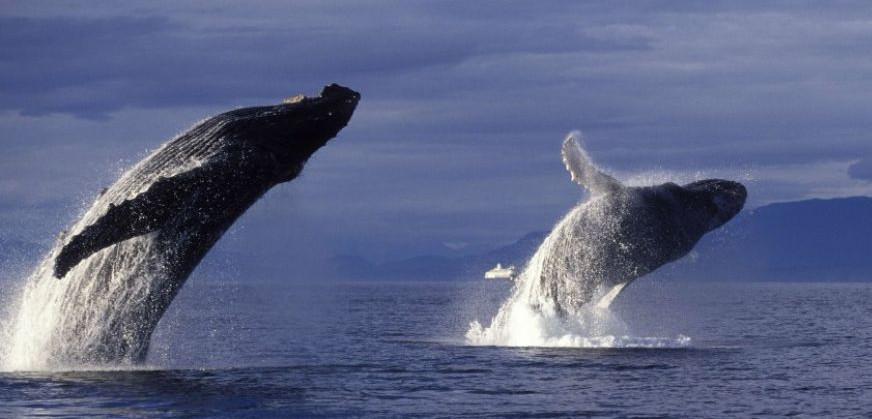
column 532, row 315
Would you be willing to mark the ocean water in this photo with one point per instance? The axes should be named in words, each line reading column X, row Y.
column 309, row 349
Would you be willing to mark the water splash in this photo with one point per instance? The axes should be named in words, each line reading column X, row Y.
column 102, row 313
column 532, row 317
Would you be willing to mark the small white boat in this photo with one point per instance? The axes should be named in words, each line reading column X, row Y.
column 498, row 272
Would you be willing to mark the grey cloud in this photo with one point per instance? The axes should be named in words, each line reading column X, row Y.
column 89, row 67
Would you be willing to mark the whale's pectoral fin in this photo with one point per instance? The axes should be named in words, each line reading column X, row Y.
column 142, row 214
column 606, row 299
column 582, row 169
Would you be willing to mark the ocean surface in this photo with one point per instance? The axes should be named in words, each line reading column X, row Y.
column 258, row 349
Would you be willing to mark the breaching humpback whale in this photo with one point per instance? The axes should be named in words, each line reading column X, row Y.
column 123, row 263
column 622, row 233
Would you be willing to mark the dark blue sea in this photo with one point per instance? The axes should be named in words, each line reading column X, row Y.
column 258, row 349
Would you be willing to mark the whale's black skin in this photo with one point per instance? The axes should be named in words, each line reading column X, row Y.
column 265, row 146
column 622, row 233
column 124, row 262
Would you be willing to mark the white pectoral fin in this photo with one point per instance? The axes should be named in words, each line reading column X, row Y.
column 133, row 217
column 582, row 169
column 606, row 300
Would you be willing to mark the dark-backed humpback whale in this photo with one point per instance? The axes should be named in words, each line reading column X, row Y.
column 123, row 263
column 622, row 233
column 239, row 155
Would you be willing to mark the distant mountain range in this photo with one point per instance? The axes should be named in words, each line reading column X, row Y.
column 812, row 240
column 432, row 267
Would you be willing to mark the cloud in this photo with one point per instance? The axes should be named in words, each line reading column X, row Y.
column 861, row 170
column 92, row 66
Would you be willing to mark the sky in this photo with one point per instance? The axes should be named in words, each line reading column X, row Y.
column 455, row 144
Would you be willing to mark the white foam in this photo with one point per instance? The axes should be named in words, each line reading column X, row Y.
column 521, row 325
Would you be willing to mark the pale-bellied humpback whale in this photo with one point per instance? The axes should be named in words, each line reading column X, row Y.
column 622, row 233
column 123, row 263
